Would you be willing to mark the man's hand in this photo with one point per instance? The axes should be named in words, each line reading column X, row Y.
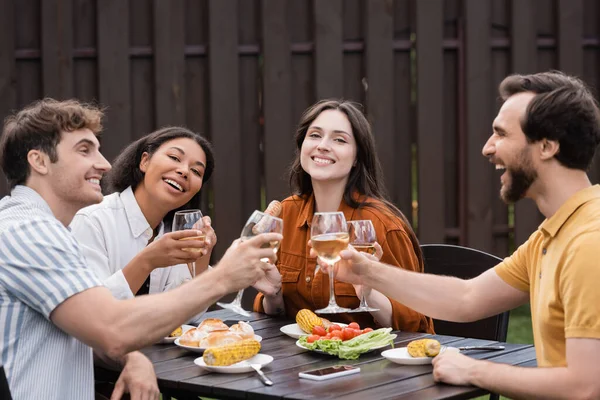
column 454, row 368
column 137, row 379
column 270, row 285
column 242, row 265
column 169, row 249
column 350, row 268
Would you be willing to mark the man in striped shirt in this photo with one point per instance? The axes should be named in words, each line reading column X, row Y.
column 53, row 309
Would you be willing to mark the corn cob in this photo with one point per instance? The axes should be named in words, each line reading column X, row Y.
column 424, row 348
column 177, row 332
column 229, row 354
column 307, row 320
column 262, row 226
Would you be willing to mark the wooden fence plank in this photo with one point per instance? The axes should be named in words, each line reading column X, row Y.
column 277, row 96
column 524, row 61
column 329, row 77
column 379, row 63
column 113, row 74
column 57, row 47
column 169, row 63
column 570, row 32
column 8, row 73
column 430, row 120
column 225, row 120
column 479, row 119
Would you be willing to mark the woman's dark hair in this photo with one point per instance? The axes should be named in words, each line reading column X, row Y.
column 126, row 171
column 563, row 110
column 365, row 176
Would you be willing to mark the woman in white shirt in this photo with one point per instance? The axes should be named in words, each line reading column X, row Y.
column 122, row 237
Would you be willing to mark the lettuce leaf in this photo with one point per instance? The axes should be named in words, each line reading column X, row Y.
column 353, row 348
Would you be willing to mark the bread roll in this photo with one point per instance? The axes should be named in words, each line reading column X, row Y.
column 221, row 338
column 192, row 337
column 243, row 329
column 212, row 324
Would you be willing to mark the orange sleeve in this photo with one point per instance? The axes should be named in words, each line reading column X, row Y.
column 258, row 303
column 398, row 251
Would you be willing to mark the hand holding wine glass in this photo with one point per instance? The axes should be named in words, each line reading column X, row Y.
column 257, row 224
column 190, row 219
column 362, row 238
column 329, row 236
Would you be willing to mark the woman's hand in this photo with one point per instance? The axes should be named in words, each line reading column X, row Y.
column 270, row 285
column 376, row 257
column 174, row 248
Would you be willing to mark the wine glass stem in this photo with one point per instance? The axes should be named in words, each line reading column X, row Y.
column 331, row 286
column 238, row 299
column 363, row 299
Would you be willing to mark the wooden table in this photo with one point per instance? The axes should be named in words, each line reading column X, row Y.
column 378, row 379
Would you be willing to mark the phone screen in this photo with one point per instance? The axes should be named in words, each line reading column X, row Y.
column 330, row 370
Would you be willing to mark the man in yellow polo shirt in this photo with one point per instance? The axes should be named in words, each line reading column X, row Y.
column 544, row 139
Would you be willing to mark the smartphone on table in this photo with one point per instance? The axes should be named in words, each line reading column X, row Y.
column 323, row 374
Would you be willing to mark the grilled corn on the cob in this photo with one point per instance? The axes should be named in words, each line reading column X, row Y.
column 231, row 353
column 307, row 320
column 177, row 332
column 424, row 348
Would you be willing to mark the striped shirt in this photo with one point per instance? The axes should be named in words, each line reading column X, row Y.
column 40, row 267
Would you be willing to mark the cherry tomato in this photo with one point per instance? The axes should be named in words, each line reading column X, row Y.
column 312, row 338
column 347, row 334
column 337, row 334
column 367, row 330
column 336, row 338
column 354, row 325
column 323, row 338
column 328, row 336
column 319, row 330
column 334, row 327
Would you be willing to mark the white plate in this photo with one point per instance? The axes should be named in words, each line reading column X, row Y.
column 393, row 336
column 238, row 368
column 294, row 331
column 168, row 339
column 201, row 349
column 401, row 356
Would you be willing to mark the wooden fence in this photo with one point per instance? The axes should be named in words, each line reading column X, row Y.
column 242, row 71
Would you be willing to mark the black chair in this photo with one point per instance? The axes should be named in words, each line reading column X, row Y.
column 465, row 263
column 4, row 390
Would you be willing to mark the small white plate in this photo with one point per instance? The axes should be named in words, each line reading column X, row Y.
column 168, row 339
column 238, row 368
column 294, row 331
column 401, row 356
column 393, row 336
column 201, row 349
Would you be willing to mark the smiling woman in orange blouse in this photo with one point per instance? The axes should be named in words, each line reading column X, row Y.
column 336, row 169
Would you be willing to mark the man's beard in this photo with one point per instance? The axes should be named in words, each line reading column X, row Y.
column 521, row 179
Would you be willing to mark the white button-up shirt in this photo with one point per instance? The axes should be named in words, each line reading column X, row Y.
column 111, row 234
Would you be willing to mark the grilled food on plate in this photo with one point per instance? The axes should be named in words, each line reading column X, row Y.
column 307, row 320
column 232, row 353
column 424, row 348
column 214, row 332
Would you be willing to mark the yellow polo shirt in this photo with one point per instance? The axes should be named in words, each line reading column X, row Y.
column 559, row 266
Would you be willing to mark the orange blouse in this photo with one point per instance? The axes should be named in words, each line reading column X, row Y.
column 301, row 288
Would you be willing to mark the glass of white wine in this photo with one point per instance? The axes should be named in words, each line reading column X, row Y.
column 258, row 223
column 190, row 219
column 329, row 236
column 362, row 238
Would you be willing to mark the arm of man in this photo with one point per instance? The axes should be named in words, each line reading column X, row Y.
column 579, row 380
column 479, row 297
column 118, row 327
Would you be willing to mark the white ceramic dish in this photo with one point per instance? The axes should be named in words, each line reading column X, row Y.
column 322, row 352
column 238, row 368
column 201, row 349
column 168, row 339
column 294, row 331
column 401, row 356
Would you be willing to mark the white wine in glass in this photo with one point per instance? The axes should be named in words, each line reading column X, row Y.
column 362, row 238
column 190, row 219
column 258, row 223
column 329, row 236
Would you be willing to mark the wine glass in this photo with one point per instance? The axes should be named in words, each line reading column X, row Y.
column 189, row 219
column 258, row 223
column 362, row 238
column 329, row 236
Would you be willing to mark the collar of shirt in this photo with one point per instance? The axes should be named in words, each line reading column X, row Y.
column 552, row 225
column 308, row 209
column 28, row 194
column 137, row 221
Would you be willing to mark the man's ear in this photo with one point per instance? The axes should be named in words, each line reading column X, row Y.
column 548, row 149
column 39, row 161
column 144, row 162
